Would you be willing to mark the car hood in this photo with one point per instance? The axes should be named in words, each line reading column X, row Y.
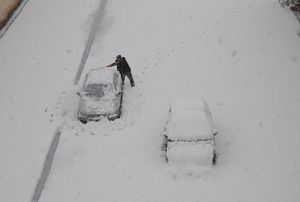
column 98, row 106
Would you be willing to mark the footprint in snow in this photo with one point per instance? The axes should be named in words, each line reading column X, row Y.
column 107, row 134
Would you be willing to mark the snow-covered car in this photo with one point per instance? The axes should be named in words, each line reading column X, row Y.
column 189, row 135
column 101, row 95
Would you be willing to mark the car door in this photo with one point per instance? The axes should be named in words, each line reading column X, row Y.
column 117, row 83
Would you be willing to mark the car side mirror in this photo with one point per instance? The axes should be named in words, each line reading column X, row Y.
column 215, row 132
column 119, row 93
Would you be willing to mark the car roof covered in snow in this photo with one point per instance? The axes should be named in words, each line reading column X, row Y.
column 100, row 75
column 190, row 120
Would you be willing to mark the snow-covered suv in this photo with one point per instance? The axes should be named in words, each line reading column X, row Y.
column 189, row 135
column 101, row 95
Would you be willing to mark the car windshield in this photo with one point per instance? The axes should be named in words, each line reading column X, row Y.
column 97, row 90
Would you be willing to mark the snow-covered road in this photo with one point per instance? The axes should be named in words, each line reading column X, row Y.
column 242, row 56
column 39, row 55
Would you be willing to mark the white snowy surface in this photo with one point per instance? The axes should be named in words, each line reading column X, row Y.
column 99, row 93
column 188, row 124
column 101, row 76
column 39, row 56
column 185, row 153
column 242, row 56
column 188, row 104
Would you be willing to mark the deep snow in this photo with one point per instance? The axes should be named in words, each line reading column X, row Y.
column 188, row 121
column 39, row 56
column 243, row 57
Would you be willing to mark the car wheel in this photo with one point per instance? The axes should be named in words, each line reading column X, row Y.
column 119, row 113
column 83, row 121
column 214, row 160
column 120, row 108
column 164, row 147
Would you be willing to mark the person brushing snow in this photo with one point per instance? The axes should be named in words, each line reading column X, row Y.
column 123, row 68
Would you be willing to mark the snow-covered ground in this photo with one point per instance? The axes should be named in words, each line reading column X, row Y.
column 242, row 57
column 39, row 57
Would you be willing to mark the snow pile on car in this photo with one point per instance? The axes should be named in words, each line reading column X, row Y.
column 183, row 153
column 190, row 120
column 101, row 95
column 100, row 75
column 189, row 142
column 185, row 125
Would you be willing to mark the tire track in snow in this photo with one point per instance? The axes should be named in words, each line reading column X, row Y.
column 54, row 144
column 90, row 41
column 47, row 166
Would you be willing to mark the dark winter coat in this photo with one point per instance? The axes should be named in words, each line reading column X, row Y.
column 122, row 65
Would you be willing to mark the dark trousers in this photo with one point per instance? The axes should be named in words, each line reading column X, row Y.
column 129, row 76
